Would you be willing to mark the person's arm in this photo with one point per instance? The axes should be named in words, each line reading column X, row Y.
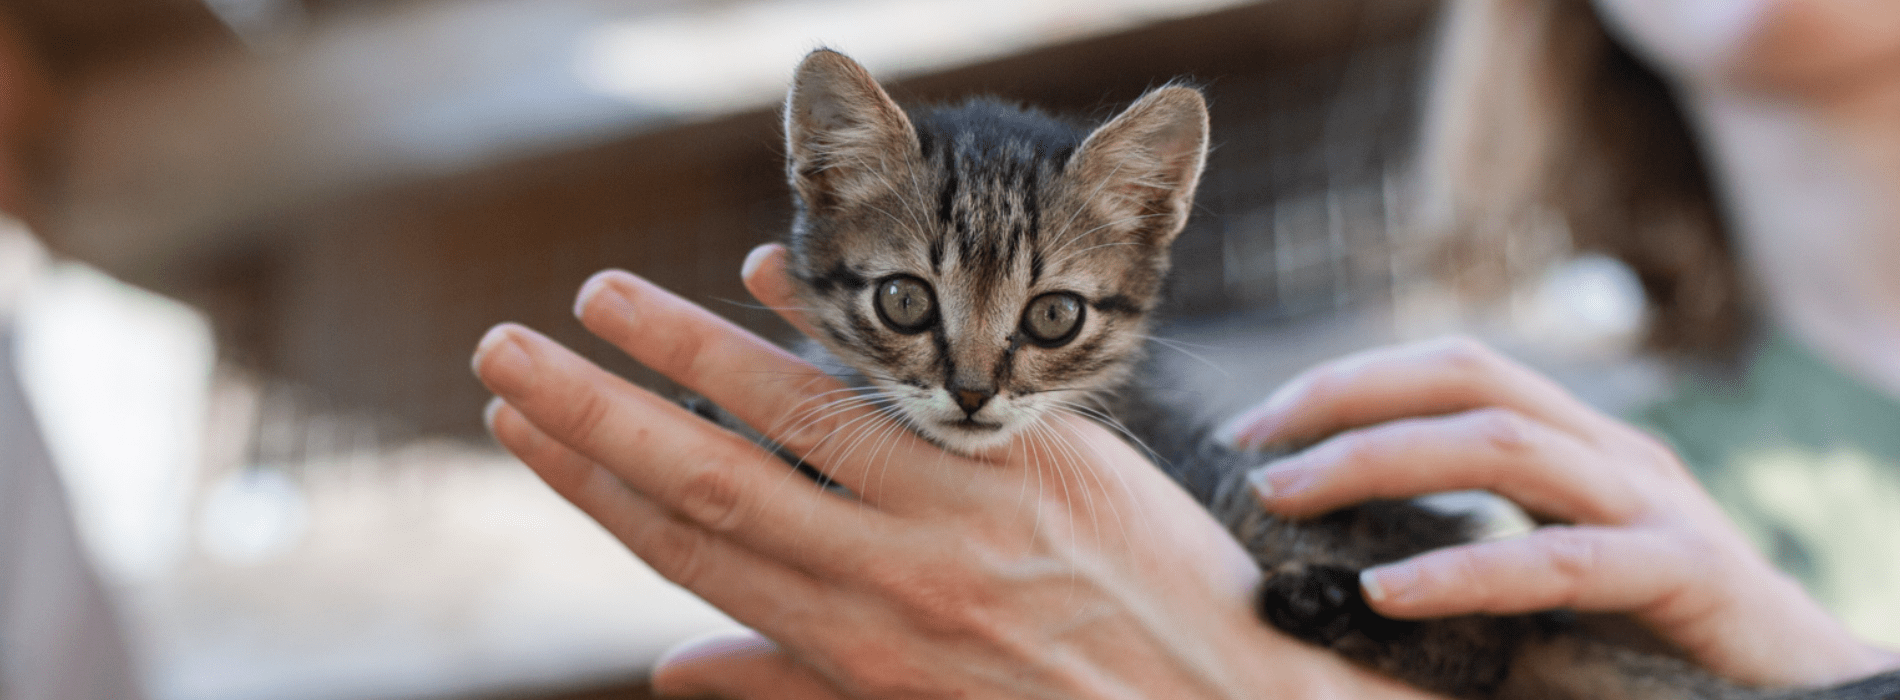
column 1069, row 567
column 1642, row 537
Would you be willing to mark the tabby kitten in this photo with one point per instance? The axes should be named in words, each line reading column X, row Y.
column 981, row 266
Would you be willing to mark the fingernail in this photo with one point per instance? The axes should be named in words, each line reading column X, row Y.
column 499, row 359
column 489, row 411
column 719, row 643
column 600, row 289
column 1245, row 432
column 754, row 259
column 1380, row 583
column 1279, row 480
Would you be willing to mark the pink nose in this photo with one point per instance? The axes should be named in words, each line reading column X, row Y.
column 971, row 401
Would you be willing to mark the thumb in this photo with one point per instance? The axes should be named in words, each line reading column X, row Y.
column 736, row 666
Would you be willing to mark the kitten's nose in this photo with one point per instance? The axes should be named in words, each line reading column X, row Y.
column 971, row 401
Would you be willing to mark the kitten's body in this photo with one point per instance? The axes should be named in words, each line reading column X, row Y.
column 979, row 266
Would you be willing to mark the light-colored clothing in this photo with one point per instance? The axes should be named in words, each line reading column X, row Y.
column 59, row 639
column 1807, row 461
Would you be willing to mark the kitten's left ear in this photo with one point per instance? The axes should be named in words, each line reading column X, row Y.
column 1146, row 162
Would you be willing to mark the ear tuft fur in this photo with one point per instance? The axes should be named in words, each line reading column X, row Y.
column 841, row 130
column 1147, row 161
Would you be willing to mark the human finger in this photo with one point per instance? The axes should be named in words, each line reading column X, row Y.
column 766, row 278
column 707, row 476
column 738, row 666
column 716, row 569
column 1583, row 567
column 801, row 408
column 1421, row 379
column 1545, row 471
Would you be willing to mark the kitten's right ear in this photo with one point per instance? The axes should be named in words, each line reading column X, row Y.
column 841, row 130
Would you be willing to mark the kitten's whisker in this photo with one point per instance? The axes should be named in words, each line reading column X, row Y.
column 1066, row 257
column 1072, row 239
column 1086, row 202
column 1177, row 347
column 755, row 306
column 833, row 408
column 1103, row 417
column 1088, row 470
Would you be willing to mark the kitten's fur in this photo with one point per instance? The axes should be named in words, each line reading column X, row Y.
column 938, row 252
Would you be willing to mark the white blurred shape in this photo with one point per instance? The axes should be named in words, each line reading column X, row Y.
column 1589, row 303
column 253, row 515
column 21, row 259
column 1691, row 38
column 118, row 378
column 740, row 55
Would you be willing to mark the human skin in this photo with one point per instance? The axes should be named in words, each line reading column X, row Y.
column 1062, row 566
column 1638, row 536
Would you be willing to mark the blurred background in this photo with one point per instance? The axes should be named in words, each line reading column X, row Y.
column 262, row 237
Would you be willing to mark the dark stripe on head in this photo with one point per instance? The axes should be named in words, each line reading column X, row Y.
column 1007, row 363
column 1118, row 304
column 947, row 195
column 942, row 341
column 1083, row 360
column 873, row 343
column 840, row 276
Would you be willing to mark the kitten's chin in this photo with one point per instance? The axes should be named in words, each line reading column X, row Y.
column 969, row 438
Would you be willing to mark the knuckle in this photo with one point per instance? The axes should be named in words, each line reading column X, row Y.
column 678, row 552
column 1574, row 559
column 940, row 601
column 590, row 411
column 682, row 354
column 1504, row 431
column 1466, row 353
column 809, row 433
column 1359, row 448
column 711, row 497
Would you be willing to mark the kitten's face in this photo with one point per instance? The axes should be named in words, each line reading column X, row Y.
column 982, row 266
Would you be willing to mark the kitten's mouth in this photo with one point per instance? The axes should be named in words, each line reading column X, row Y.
column 975, row 426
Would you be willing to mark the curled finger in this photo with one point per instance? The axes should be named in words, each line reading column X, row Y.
column 1585, row 568
column 1421, row 379
column 1546, row 471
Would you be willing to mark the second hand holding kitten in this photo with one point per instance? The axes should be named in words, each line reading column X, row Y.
column 1647, row 540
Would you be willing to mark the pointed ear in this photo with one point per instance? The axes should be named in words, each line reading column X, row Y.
column 842, row 132
column 1145, row 163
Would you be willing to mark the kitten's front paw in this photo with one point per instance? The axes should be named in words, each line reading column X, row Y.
column 1322, row 605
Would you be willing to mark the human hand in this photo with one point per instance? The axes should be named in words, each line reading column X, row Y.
column 1063, row 566
column 1641, row 536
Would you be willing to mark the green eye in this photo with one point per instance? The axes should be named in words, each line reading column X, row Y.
column 1053, row 319
column 905, row 304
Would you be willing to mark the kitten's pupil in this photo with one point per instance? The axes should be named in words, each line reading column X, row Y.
column 1053, row 319
column 904, row 303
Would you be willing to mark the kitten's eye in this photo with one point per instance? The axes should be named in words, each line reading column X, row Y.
column 1053, row 319
column 904, row 304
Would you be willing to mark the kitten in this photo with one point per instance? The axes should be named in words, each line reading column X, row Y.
column 978, row 267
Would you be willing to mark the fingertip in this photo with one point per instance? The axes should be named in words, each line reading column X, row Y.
column 755, row 260
column 489, row 411
column 605, row 289
column 499, row 360
column 683, row 669
column 1391, row 589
